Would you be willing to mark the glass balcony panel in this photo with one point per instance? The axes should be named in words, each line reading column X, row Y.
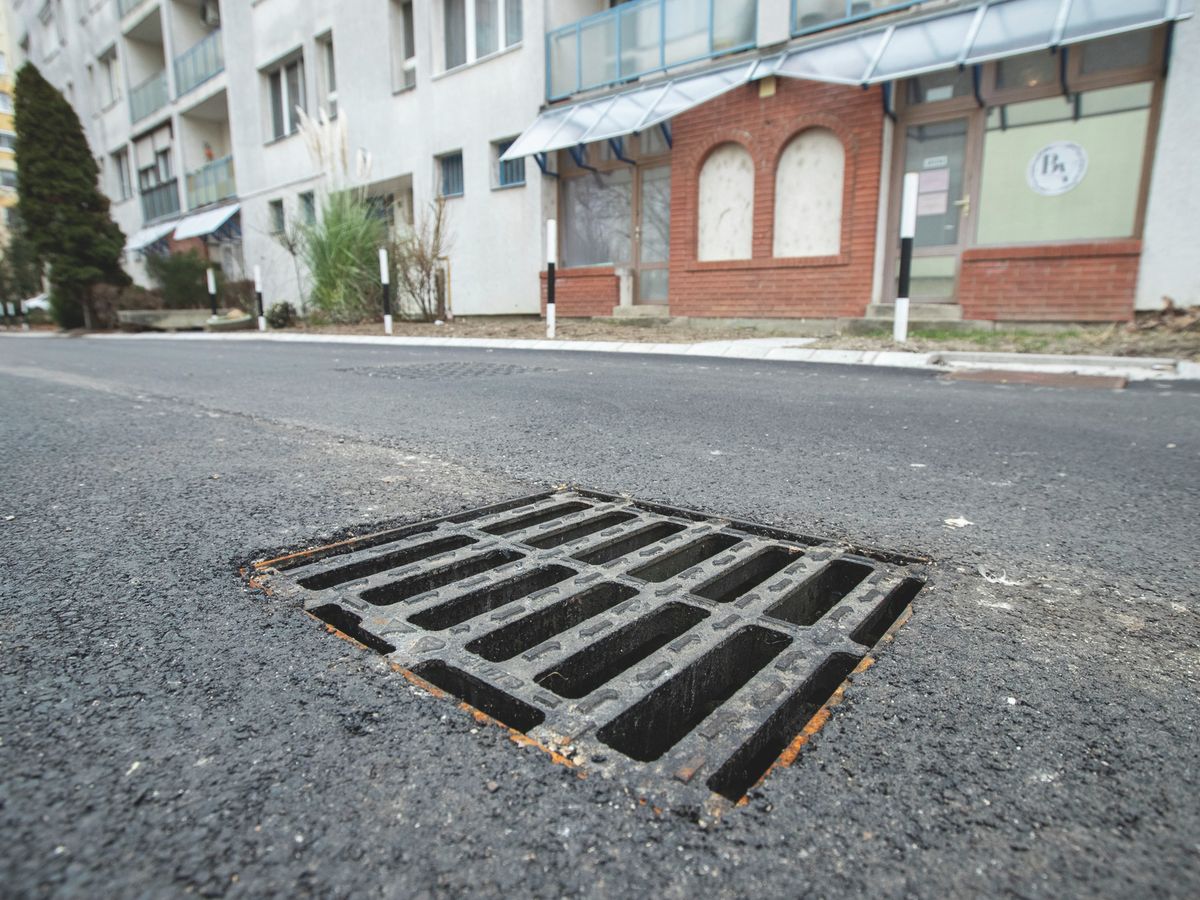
column 564, row 62
column 160, row 201
column 641, row 36
column 687, row 34
column 734, row 22
column 148, row 97
column 212, row 183
column 598, row 43
column 200, row 63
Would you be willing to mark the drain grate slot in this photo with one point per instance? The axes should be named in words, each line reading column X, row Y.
column 743, row 770
column 528, row 520
column 671, row 564
column 643, row 537
column 486, row 698
column 886, row 613
column 351, row 625
column 604, row 660
column 390, row 560
column 583, row 529
column 511, row 640
column 387, row 594
column 821, row 592
column 748, row 575
column 657, row 722
column 478, row 602
column 664, row 646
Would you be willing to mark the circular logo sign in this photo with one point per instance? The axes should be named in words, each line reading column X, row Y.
column 1057, row 168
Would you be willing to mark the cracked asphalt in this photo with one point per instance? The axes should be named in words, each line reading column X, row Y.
column 166, row 730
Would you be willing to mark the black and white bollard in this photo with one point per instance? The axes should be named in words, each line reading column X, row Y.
column 212, row 291
column 262, row 319
column 908, row 231
column 385, row 280
column 551, row 261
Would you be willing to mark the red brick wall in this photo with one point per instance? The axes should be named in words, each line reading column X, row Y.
column 764, row 286
column 1092, row 282
column 593, row 291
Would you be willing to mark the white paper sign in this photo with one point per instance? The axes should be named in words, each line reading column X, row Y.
column 1057, row 168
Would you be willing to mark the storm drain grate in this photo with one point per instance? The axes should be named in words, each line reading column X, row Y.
column 440, row 371
column 682, row 651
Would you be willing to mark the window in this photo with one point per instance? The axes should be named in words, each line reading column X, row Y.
column 308, row 208
column 474, row 29
column 1028, row 71
column 383, row 208
column 108, row 83
column 121, row 167
column 726, row 217
column 275, row 212
column 450, row 175
column 404, row 47
column 808, row 195
column 508, row 173
column 598, row 218
column 6, row 104
column 940, row 86
column 162, row 161
column 8, row 141
column 1062, row 169
column 287, row 94
column 328, row 75
column 8, row 179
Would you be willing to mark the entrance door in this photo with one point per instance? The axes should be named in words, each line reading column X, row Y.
column 652, row 234
column 939, row 152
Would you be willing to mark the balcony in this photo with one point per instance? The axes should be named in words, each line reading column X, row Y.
column 160, row 201
column 815, row 15
column 148, row 97
column 646, row 36
column 200, row 63
column 212, row 183
column 125, row 7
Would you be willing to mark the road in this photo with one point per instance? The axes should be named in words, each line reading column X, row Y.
column 164, row 729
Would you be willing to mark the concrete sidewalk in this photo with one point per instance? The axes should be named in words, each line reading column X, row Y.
column 1132, row 368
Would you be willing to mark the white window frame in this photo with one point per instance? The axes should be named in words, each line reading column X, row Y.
column 501, row 33
column 124, row 174
column 327, row 72
column 11, row 140
column 404, row 46
column 277, row 216
column 289, row 119
column 6, row 103
column 110, row 77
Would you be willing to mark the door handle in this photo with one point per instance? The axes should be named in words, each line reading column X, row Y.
column 965, row 205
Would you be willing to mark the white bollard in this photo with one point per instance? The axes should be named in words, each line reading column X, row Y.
column 551, row 265
column 385, row 280
column 262, row 320
column 908, row 231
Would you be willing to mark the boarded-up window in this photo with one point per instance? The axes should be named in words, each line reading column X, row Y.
column 808, row 195
column 726, row 218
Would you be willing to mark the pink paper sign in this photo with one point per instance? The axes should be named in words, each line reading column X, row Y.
column 934, row 180
column 933, row 204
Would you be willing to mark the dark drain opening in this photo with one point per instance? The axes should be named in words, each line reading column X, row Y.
column 747, row 575
column 643, row 537
column 502, row 707
column 604, row 660
column 351, row 625
column 505, row 643
column 391, row 560
column 671, row 564
column 583, row 529
column 528, row 520
column 742, row 770
column 880, row 620
column 387, row 594
column 476, row 603
column 820, row 593
column 657, row 722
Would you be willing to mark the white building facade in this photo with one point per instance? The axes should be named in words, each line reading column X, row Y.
column 771, row 190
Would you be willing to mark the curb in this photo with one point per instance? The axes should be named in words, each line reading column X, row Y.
column 1132, row 368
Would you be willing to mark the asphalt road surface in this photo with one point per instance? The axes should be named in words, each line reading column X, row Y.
column 166, row 730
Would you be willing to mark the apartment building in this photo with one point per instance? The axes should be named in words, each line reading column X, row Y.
column 719, row 158
column 8, row 164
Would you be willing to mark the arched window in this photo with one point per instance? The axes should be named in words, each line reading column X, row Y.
column 726, row 204
column 808, row 195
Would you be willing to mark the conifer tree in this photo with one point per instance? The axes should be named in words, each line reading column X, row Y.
column 65, row 215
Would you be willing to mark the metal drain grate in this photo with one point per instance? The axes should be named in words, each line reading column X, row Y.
column 680, row 650
column 447, row 370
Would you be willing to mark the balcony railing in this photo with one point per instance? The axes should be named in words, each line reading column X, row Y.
column 814, row 15
column 160, row 201
column 211, row 183
column 642, row 37
column 200, row 63
column 125, row 7
column 148, row 97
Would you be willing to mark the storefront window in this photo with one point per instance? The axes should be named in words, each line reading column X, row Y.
column 597, row 218
column 1028, row 71
column 1132, row 50
column 939, row 86
column 1059, row 169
